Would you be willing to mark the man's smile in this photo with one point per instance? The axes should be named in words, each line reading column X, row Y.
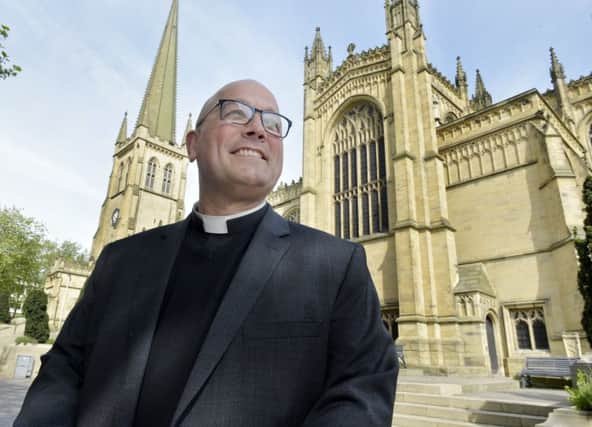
column 249, row 152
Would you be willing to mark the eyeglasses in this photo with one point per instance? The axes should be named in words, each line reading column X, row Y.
column 239, row 113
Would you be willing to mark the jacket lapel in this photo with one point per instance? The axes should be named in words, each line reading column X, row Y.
column 265, row 251
column 145, row 296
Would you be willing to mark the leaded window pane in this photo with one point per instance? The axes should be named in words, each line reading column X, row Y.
column 541, row 341
column 365, row 215
column 337, row 219
column 523, row 335
column 364, row 164
column 373, row 176
column 336, row 170
column 375, row 214
column 346, row 219
column 383, row 209
column 354, row 168
column 345, row 171
column 381, row 159
column 355, row 231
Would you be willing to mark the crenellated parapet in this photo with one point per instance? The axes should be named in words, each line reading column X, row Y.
column 442, row 79
column 496, row 138
column 286, row 200
column 487, row 155
column 285, row 192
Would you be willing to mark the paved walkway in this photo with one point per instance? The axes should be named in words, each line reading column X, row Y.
column 12, row 393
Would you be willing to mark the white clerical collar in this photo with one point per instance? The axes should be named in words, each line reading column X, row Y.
column 216, row 224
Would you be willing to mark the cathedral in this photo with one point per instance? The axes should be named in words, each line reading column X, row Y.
column 467, row 209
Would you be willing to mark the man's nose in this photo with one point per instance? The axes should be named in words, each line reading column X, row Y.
column 255, row 127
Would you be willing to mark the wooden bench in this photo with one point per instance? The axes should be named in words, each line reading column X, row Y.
column 546, row 367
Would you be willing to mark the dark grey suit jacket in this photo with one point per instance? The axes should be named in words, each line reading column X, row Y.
column 297, row 340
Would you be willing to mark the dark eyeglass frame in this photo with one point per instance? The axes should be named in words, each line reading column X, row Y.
column 254, row 110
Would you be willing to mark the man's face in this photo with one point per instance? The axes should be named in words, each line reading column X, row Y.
column 237, row 163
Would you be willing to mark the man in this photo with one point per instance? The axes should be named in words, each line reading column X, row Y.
column 231, row 318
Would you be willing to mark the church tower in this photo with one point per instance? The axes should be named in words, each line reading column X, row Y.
column 425, row 248
column 147, row 182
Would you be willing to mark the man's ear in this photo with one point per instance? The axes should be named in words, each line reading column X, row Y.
column 191, row 144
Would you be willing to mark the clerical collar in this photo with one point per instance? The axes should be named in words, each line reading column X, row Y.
column 217, row 224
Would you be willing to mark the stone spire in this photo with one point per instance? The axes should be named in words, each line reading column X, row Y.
column 188, row 128
column 122, row 136
column 556, row 69
column 318, row 47
column 318, row 62
column 482, row 98
column 461, row 80
column 157, row 113
column 563, row 105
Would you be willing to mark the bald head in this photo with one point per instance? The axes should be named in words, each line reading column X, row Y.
column 230, row 88
column 238, row 162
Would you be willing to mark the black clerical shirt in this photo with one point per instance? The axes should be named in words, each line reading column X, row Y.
column 201, row 274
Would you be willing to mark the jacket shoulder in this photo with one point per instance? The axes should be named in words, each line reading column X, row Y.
column 147, row 236
column 313, row 235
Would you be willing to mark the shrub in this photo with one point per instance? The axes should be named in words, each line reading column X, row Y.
column 35, row 309
column 4, row 307
column 581, row 396
column 25, row 340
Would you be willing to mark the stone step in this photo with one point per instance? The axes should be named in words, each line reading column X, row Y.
column 425, row 388
column 432, row 386
column 441, row 413
column 516, row 406
column 404, row 420
column 413, row 372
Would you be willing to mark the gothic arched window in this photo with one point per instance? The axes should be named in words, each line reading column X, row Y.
column 531, row 333
column 360, row 173
column 120, row 183
column 167, row 179
column 127, row 171
column 151, row 173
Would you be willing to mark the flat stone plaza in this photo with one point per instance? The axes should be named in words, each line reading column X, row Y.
column 13, row 393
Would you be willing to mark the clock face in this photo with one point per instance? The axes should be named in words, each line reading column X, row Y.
column 115, row 217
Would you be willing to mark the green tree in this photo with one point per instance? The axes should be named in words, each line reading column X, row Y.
column 584, row 250
column 70, row 252
column 23, row 254
column 27, row 255
column 6, row 70
column 35, row 310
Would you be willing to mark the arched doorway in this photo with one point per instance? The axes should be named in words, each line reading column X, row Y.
column 493, row 360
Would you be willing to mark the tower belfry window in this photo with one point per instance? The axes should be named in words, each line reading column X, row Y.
column 167, row 179
column 360, row 173
column 151, row 174
column 120, row 178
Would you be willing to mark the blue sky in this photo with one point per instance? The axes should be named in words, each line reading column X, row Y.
column 86, row 63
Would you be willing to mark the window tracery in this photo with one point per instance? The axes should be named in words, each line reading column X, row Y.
column 531, row 333
column 360, row 173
